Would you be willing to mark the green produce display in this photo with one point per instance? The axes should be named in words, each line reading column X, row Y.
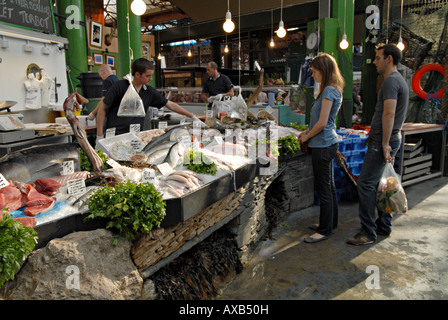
column 16, row 243
column 85, row 162
column 200, row 163
column 132, row 209
column 290, row 143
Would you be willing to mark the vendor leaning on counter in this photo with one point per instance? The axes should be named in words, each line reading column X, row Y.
column 216, row 83
column 142, row 71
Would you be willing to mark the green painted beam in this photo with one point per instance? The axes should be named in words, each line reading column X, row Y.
column 76, row 55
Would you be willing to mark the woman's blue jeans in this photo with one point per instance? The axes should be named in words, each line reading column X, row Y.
column 371, row 172
column 322, row 159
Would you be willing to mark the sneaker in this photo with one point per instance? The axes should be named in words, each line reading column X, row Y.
column 381, row 233
column 359, row 239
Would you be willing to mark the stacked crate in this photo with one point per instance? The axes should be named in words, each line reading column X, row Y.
column 351, row 145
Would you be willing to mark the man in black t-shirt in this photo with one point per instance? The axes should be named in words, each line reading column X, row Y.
column 106, row 74
column 142, row 71
column 216, row 83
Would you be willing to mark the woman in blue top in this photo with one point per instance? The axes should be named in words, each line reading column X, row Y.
column 323, row 141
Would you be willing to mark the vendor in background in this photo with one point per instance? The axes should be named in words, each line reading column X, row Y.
column 216, row 83
column 109, row 78
column 142, row 71
column 323, row 141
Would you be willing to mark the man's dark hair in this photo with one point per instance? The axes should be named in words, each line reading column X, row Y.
column 390, row 49
column 141, row 65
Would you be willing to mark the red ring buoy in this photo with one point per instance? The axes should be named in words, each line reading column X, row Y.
column 416, row 86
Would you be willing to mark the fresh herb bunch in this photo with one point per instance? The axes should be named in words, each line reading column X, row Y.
column 301, row 127
column 87, row 165
column 132, row 209
column 200, row 163
column 16, row 243
column 290, row 143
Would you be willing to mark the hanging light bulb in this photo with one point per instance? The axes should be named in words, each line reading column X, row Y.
column 272, row 44
column 281, row 32
column 228, row 25
column 189, row 52
column 400, row 44
column 138, row 7
column 226, row 49
column 159, row 56
column 344, row 43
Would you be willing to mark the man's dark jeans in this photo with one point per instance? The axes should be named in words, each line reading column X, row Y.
column 322, row 159
column 371, row 172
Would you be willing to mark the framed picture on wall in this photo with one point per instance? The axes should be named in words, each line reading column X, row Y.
column 96, row 34
column 98, row 58
column 110, row 60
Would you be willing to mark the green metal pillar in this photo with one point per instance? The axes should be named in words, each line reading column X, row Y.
column 343, row 11
column 73, row 28
column 129, row 37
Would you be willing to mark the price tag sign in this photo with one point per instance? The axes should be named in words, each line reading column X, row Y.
column 164, row 168
column 3, row 182
column 110, row 133
column 137, row 145
column 113, row 163
column 163, row 125
column 134, row 128
column 76, row 186
column 209, row 113
column 149, row 176
column 68, row 167
column 269, row 109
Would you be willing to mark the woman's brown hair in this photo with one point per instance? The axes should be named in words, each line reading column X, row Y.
column 331, row 75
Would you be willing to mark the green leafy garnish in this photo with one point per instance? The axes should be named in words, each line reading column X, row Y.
column 87, row 165
column 132, row 209
column 16, row 243
column 198, row 162
column 290, row 143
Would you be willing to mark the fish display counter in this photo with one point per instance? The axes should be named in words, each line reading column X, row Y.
column 192, row 168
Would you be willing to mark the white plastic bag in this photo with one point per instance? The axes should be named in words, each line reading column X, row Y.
column 233, row 107
column 33, row 95
column 131, row 104
column 391, row 197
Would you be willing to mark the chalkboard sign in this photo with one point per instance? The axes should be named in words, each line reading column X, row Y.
column 32, row 14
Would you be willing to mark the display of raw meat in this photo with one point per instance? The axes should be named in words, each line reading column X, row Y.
column 35, row 198
column 47, row 186
column 37, row 209
column 27, row 221
column 11, row 197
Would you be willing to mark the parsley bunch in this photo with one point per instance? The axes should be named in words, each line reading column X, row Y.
column 290, row 143
column 16, row 243
column 132, row 208
column 198, row 162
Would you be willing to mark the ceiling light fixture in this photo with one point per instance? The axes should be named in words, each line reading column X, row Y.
column 400, row 44
column 138, row 7
column 272, row 44
column 281, row 32
column 344, row 43
column 228, row 25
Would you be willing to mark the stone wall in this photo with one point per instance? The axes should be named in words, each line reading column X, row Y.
column 243, row 212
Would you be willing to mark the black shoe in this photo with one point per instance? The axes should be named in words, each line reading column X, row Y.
column 381, row 233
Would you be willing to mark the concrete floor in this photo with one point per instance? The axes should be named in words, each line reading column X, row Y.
column 412, row 263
